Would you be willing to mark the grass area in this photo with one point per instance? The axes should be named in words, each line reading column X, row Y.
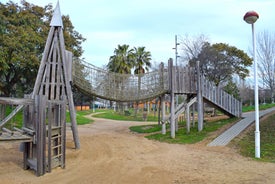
column 126, row 115
column 80, row 117
column 261, row 107
column 146, row 128
column 246, row 144
column 81, row 120
column 17, row 120
column 182, row 136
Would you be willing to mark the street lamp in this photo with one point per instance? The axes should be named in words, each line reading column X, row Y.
column 251, row 17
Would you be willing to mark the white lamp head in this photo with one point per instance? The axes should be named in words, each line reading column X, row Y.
column 251, row 17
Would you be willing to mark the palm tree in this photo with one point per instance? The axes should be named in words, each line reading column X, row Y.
column 122, row 60
column 142, row 58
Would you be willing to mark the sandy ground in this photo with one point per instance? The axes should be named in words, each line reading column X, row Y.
column 110, row 153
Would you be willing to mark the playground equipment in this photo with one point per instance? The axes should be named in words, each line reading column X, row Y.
column 43, row 132
column 172, row 80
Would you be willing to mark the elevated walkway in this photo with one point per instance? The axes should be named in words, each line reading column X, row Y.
column 94, row 81
column 235, row 130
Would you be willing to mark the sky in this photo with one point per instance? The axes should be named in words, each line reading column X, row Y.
column 154, row 23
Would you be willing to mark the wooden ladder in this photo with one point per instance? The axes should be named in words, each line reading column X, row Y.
column 56, row 147
column 56, row 136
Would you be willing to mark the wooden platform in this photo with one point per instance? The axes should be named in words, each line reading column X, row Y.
column 15, row 136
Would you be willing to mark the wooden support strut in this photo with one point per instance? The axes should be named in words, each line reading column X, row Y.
column 172, row 95
column 199, row 98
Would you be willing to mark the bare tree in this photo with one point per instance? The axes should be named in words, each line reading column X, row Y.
column 266, row 59
column 191, row 46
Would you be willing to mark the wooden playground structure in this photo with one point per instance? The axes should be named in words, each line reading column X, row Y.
column 43, row 131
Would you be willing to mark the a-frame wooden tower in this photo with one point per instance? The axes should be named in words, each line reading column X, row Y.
column 52, row 93
column 54, row 72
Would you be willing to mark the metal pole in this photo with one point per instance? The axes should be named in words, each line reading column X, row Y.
column 176, row 60
column 257, row 128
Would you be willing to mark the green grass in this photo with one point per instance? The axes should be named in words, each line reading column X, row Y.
column 182, row 136
column 146, row 128
column 111, row 114
column 17, row 120
column 261, row 107
column 246, row 144
column 81, row 120
column 80, row 117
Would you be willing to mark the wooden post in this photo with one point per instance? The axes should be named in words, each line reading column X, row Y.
column 163, row 121
column 188, row 118
column 69, row 93
column 40, row 103
column 63, row 133
column 172, row 96
column 200, row 99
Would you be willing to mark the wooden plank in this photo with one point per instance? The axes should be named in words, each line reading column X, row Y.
column 39, row 76
column 69, row 94
column 16, row 101
column 69, row 61
column 54, row 62
column 50, row 120
column 59, row 79
column 63, row 133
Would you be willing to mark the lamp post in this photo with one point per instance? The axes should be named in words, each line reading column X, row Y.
column 251, row 17
column 176, row 60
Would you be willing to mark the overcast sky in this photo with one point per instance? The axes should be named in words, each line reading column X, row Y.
column 154, row 23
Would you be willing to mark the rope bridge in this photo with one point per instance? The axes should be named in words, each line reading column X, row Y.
column 94, row 81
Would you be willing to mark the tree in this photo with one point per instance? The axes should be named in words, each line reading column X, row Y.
column 24, row 31
column 266, row 58
column 220, row 62
column 122, row 61
column 192, row 46
column 232, row 89
column 141, row 58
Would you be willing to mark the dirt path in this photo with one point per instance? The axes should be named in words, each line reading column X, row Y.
column 111, row 154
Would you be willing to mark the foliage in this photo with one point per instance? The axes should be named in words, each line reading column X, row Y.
column 141, row 58
column 24, row 31
column 232, row 89
column 122, row 60
column 125, row 59
column 219, row 62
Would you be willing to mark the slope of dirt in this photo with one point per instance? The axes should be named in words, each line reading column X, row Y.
column 110, row 153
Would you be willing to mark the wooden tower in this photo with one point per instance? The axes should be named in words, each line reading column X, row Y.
column 46, row 118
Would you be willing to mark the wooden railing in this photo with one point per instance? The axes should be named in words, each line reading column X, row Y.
column 220, row 98
column 185, row 82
